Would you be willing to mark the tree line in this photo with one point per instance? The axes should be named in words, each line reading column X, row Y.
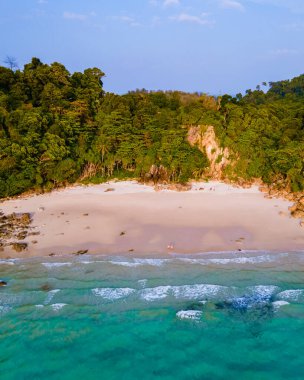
column 58, row 128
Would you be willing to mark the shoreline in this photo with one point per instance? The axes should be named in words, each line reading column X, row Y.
column 128, row 218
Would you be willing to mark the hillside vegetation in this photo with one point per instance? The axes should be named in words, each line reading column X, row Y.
column 58, row 128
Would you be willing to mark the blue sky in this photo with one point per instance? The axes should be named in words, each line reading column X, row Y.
column 212, row 46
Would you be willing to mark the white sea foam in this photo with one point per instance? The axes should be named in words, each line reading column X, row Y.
column 244, row 260
column 291, row 295
column 278, row 304
column 157, row 293
column 39, row 306
column 126, row 263
column 197, row 291
column 89, row 262
column 112, row 293
column 4, row 309
column 193, row 315
column 152, row 262
column 50, row 296
column 263, row 291
column 232, row 260
column 143, row 282
column 7, row 262
column 56, row 265
column 57, row 306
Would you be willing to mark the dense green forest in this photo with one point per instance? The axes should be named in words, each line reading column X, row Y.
column 58, row 128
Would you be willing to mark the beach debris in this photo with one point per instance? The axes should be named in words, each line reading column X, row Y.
column 131, row 250
column 52, row 254
column 122, row 233
column 81, row 252
column 3, row 283
column 109, row 189
column 240, row 240
column 41, row 208
column 35, row 233
column 86, row 214
column 34, row 241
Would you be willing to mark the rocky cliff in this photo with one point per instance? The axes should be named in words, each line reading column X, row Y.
column 205, row 139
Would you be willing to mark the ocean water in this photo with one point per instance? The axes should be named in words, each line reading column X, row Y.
column 211, row 316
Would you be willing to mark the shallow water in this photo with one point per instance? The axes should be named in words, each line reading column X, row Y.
column 210, row 316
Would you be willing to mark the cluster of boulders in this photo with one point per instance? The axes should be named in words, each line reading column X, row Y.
column 297, row 210
column 14, row 228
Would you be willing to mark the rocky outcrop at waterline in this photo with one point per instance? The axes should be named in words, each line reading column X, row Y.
column 14, row 229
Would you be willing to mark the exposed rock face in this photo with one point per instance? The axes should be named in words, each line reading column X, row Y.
column 157, row 174
column 14, row 227
column 205, row 139
column 297, row 209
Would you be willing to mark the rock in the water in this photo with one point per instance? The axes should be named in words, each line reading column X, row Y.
column 3, row 283
column 252, row 308
column 46, row 287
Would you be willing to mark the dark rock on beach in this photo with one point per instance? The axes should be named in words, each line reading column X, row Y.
column 81, row 252
column 14, row 226
column 19, row 247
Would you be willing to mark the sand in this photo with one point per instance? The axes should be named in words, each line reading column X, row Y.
column 134, row 219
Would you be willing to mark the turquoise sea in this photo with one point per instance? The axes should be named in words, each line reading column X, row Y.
column 211, row 316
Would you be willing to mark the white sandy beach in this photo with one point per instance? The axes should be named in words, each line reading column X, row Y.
column 134, row 219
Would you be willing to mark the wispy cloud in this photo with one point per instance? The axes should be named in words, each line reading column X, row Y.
column 129, row 20
column 168, row 3
column 164, row 3
column 42, row 2
column 185, row 17
column 75, row 16
column 232, row 4
column 283, row 52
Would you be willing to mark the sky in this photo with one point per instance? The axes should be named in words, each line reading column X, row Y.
column 210, row 46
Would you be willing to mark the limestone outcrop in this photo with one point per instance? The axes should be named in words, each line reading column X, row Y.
column 205, row 139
